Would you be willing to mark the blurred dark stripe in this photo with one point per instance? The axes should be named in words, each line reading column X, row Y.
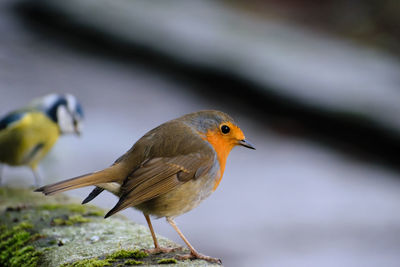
column 351, row 134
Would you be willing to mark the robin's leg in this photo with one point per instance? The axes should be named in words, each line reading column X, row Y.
column 157, row 248
column 193, row 253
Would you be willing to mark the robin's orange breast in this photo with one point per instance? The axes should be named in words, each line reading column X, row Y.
column 222, row 149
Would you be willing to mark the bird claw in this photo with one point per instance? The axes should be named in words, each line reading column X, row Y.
column 191, row 256
column 196, row 255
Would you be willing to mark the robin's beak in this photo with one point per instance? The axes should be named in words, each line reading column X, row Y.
column 246, row 143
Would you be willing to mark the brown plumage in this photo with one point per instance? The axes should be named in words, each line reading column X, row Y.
column 168, row 171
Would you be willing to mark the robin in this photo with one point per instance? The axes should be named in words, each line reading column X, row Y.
column 27, row 134
column 168, row 171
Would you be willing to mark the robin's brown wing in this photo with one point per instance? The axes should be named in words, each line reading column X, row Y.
column 163, row 142
column 159, row 176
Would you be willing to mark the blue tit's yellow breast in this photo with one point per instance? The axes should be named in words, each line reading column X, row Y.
column 27, row 140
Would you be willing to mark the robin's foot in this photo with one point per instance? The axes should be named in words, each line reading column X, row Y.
column 196, row 255
column 159, row 250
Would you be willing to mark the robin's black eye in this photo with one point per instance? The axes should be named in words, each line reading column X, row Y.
column 225, row 129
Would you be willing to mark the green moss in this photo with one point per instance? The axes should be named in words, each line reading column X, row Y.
column 70, row 207
column 95, row 262
column 71, row 220
column 23, row 226
column 27, row 256
column 14, row 246
column 76, row 208
column 167, row 261
column 51, row 206
column 123, row 254
column 133, row 262
column 97, row 213
column 52, row 242
column 18, row 228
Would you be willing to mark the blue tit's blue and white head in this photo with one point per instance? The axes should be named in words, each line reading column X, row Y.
column 63, row 109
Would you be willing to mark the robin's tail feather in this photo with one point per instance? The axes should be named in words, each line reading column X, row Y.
column 111, row 187
column 96, row 191
column 104, row 176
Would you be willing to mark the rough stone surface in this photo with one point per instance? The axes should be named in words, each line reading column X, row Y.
column 67, row 232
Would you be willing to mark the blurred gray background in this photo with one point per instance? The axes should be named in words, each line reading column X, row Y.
column 315, row 86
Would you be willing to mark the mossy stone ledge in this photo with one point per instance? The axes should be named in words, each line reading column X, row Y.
column 58, row 231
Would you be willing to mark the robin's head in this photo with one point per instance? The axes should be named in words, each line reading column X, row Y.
column 218, row 128
column 220, row 131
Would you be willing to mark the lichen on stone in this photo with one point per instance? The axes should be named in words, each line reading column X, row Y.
column 95, row 262
column 129, row 257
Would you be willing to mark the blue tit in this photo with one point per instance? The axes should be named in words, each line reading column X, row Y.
column 27, row 134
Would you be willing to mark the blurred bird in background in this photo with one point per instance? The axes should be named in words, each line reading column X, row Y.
column 27, row 134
